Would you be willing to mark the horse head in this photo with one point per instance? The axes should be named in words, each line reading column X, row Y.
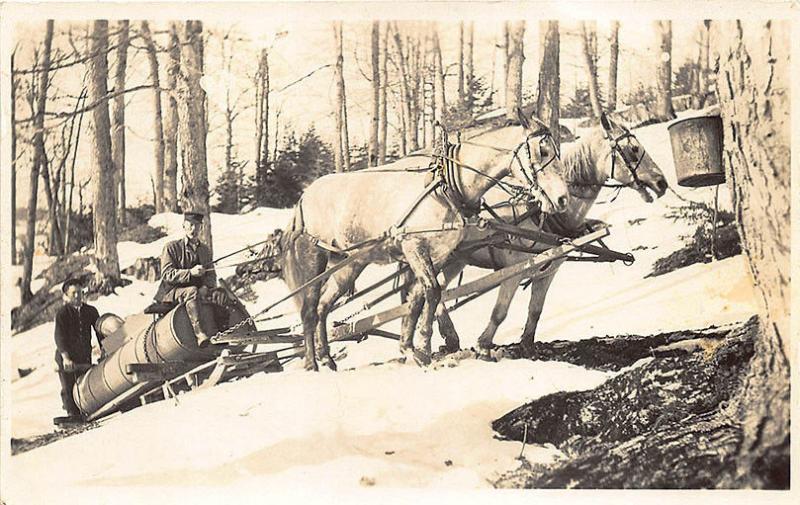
column 544, row 172
column 630, row 164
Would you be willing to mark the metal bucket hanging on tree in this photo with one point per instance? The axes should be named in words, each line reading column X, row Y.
column 697, row 150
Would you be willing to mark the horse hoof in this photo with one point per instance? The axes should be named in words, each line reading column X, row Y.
column 328, row 362
column 422, row 359
column 311, row 367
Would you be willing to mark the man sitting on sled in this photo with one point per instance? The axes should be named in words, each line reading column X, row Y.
column 187, row 276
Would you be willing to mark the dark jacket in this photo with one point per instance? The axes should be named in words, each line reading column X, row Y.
column 73, row 333
column 176, row 260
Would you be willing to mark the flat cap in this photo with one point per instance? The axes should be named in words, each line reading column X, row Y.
column 193, row 216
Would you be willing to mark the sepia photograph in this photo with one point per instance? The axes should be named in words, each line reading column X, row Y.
column 361, row 251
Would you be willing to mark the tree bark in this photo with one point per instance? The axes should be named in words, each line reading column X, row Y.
column 613, row 65
column 470, row 77
column 262, row 125
column 591, row 70
column 170, row 194
column 703, row 64
column 461, row 93
column 516, row 57
column 13, row 164
column 547, row 102
column 118, row 113
column 192, row 126
column 753, row 89
column 376, row 93
column 384, row 120
column 441, row 105
column 103, row 173
column 38, row 160
column 341, row 151
column 664, row 110
column 158, row 125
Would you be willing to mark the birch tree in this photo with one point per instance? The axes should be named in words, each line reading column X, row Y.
column 613, row 60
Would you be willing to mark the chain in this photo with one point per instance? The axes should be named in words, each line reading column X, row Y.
column 147, row 335
column 224, row 333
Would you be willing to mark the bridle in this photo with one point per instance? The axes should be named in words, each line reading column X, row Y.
column 630, row 164
column 532, row 171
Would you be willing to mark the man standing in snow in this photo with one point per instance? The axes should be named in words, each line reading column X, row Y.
column 73, row 335
column 187, row 274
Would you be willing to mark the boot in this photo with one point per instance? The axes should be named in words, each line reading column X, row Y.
column 193, row 311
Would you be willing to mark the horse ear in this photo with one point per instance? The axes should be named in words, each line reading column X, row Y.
column 522, row 119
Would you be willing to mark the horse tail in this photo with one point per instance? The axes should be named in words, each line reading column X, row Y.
column 292, row 268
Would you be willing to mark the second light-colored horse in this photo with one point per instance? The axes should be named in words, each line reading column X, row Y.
column 354, row 211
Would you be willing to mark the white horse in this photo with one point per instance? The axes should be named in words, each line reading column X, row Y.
column 602, row 155
column 396, row 213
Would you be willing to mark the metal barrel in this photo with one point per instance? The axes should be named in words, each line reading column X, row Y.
column 169, row 339
column 697, row 150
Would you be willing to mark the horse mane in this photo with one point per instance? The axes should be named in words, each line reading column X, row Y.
column 580, row 159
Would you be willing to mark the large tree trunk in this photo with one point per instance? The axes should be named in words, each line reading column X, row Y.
column 341, row 154
column 13, row 164
column 613, row 60
column 587, row 44
column 703, row 64
column 38, row 160
column 516, row 57
column 547, row 103
column 753, row 89
column 664, row 110
column 192, row 126
column 158, row 126
column 118, row 108
column 103, row 176
column 376, row 93
column 384, row 79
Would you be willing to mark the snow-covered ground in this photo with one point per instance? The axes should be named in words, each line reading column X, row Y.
column 388, row 425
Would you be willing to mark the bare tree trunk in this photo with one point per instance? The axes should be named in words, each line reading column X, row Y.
column 703, row 64
column 591, row 70
column 402, row 61
column 55, row 246
column 438, row 67
column 384, row 120
column 547, row 103
column 170, row 194
column 376, row 93
column 262, row 125
column 192, row 125
column 470, row 77
column 461, row 95
column 755, row 106
column 67, row 227
column 103, row 177
column 516, row 57
column 13, row 164
column 612, row 66
column 38, row 142
column 118, row 113
column 158, row 126
column 338, row 81
column 503, row 77
column 664, row 109
column 415, row 73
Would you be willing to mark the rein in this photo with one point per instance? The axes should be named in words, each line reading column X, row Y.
column 616, row 150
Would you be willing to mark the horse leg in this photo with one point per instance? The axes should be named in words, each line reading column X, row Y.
column 415, row 301
column 539, row 289
column 337, row 284
column 310, row 261
column 446, row 327
column 420, row 262
column 499, row 313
